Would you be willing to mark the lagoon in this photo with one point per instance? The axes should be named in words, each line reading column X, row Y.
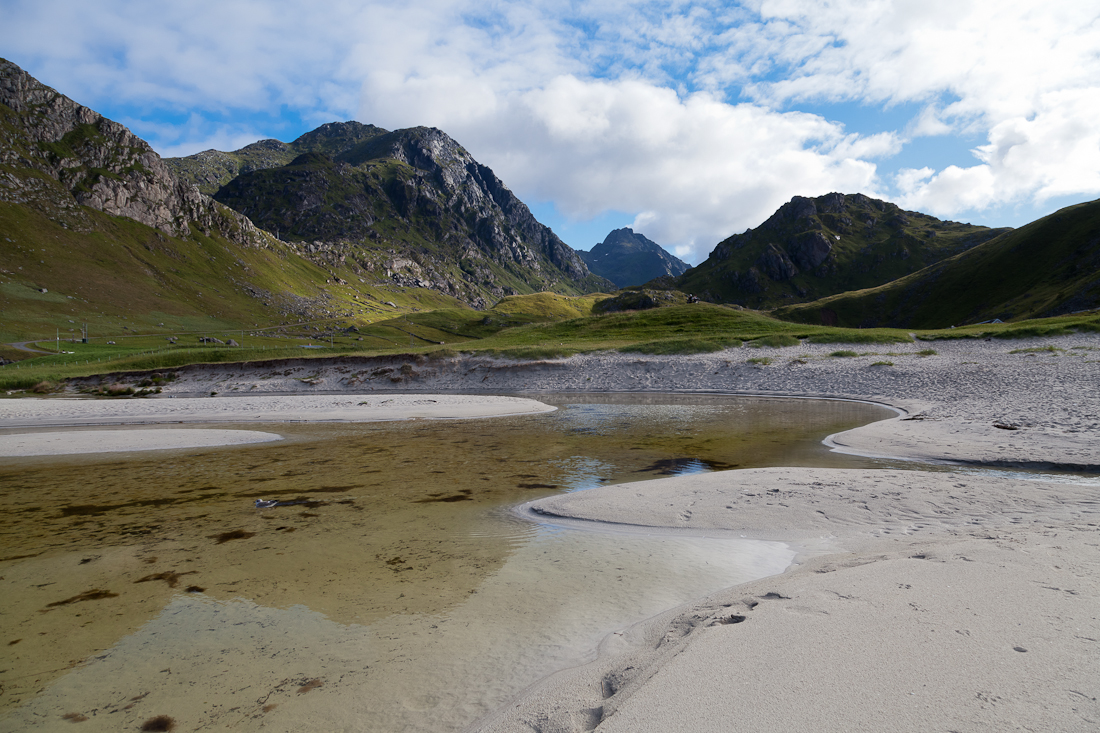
column 403, row 595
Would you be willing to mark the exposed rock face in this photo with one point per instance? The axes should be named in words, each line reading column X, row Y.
column 810, row 249
column 814, row 247
column 99, row 162
column 775, row 263
column 410, row 205
column 627, row 258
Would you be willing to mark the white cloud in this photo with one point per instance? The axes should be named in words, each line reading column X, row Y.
column 683, row 112
column 698, row 169
column 1054, row 152
column 214, row 55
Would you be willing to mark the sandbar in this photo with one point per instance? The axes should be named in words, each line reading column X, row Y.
column 19, row 416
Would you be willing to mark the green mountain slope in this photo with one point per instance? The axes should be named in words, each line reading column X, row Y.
column 1049, row 267
column 411, row 206
column 627, row 258
column 95, row 228
column 811, row 248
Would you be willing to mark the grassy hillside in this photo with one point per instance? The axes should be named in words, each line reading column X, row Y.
column 1049, row 267
column 123, row 278
column 811, row 248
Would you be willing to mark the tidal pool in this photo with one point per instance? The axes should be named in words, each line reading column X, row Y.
column 398, row 593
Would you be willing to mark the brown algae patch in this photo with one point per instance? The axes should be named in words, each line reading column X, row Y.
column 170, row 577
column 94, row 594
column 236, row 534
column 310, row 685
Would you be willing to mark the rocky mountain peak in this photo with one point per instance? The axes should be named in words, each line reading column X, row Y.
column 627, row 258
column 99, row 163
column 412, row 204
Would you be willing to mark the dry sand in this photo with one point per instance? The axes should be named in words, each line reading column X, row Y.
column 18, row 416
column 957, row 600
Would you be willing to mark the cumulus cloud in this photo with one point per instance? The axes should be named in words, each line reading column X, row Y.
column 685, row 113
column 696, row 169
column 213, row 55
column 1053, row 152
column 1023, row 74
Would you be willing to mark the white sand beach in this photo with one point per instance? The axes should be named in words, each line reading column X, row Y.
column 961, row 599
column 19, row 416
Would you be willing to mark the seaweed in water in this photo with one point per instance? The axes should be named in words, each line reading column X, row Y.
column 95, row 594
column 236, row 534
column 310, row 685
column 159, row 723
column 170, row 577
column 462, row 495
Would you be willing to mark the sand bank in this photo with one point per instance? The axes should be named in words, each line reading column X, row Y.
column 71, row 442
column 963, row 388
column 16, row 416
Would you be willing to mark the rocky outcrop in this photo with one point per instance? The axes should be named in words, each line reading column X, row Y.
column 99, row 163
column 627, row 258
column 810, row 249
column 775, row 263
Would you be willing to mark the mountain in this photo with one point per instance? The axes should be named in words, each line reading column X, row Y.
column 814, row 247
column 95, row 228
column 1049, row 267
column 627, row 258
column 62, row 155
column 212, row 169
column 412, row 206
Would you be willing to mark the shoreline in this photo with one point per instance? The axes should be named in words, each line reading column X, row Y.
column 844, row 638
column 948, row 599
column 28, row 427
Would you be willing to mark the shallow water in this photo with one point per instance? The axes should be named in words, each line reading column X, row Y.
column 402, row 596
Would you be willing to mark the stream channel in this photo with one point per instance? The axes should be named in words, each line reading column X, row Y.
column 398, row 593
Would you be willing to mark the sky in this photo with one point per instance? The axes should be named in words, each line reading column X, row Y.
column 687, row 121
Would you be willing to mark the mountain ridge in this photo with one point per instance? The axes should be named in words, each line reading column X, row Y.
column 99, row 163
column 815, row 247
column 1049, row 267
column 628, row 258
column 411, row 205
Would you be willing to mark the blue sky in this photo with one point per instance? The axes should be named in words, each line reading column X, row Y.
column 688, row 121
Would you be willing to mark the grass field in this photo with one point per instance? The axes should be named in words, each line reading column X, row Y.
column 536, row 326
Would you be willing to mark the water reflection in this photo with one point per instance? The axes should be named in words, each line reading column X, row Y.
column 401, row 584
